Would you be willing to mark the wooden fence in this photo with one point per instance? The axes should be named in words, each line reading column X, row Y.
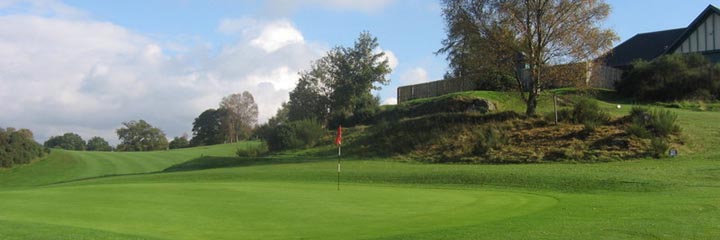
column 433, row 89
column 598, row 76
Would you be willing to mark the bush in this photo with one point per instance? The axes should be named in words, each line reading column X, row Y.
column 663, row 124
column 294, row 134
column 257, row 151
column 658, row 147
column 496, row 81
column 584, row 111
column 18, row 147
column 646, row 123
column 672, row 77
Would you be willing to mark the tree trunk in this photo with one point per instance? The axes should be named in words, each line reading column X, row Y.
column 531, row 103
column 533, row 92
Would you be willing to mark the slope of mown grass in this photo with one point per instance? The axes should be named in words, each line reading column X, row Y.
column 61, row 165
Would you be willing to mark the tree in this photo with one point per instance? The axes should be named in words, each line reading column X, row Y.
column 545, row 32
column 311, row 97
column 338, row 86
column 474, row 54
column 242, row 113
column 98, row 144
column 18, row 147
column 68, row 141
column 141, row 136
column 209, row 128
column 179, row 142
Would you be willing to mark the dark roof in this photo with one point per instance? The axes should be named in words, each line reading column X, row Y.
column 710, row 9
column 645, row 46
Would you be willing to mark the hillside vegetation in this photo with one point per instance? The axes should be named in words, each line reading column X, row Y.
column 485, row 127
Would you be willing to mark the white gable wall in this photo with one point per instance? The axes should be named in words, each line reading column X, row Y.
column 704, row 37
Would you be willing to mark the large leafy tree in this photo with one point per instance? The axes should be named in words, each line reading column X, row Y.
column 242, row 114
column 338, row 86
column 140, row 136
column 311, row 97
column 544, row 33
column 209, row 128
column 98, row 144
column 473, row 53
column 68, row 141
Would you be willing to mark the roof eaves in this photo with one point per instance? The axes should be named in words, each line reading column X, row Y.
column 698, row 20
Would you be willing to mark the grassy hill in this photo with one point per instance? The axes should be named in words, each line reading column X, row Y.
column 207, row 193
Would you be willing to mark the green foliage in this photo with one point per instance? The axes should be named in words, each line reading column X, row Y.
column 179, row 142
column 241, row 117
column 141, row 136
column 647, row 123
column 293, row 134
column 210, row 127
column 658, row 147
column 255, row 151
column 475, row 53
column 98, row 144
column 585, row 111
column 337, row 89
column 68, row 141
column 672, row 77
column 18, row 147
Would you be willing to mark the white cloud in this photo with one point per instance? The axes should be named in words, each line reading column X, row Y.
column 414, row 76
column 77, row 75
column 392, row 60
column 277, row 35
column 267, row 35
column 390, row 101
column 368, row 6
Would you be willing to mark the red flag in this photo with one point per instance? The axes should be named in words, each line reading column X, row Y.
column 338, row 138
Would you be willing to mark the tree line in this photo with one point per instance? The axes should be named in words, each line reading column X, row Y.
column 233, row 121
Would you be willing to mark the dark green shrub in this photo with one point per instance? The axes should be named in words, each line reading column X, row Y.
column 253, row 151
column 658, row 147
column 496, row 81
column 584, row 111
column 672, row 77
column 294, row 134
column 663, row 124
column 18, row 147
column 646, row 123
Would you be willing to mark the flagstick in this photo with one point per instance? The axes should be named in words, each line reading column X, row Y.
column 338, row 179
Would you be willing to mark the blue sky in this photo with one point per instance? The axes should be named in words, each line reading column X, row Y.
column 85, row 66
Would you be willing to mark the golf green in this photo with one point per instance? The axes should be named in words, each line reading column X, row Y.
column 254, row 210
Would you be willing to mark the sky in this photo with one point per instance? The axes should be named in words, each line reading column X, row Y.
column 86, row 66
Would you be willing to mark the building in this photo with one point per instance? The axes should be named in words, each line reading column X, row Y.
column 698, row 37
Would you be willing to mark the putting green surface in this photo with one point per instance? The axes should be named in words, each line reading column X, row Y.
column 258, row 210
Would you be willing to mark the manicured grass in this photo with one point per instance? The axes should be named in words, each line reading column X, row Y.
column 207, row 193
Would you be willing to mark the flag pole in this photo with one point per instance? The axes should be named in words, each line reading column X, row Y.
column 338, row 142
column 338, row 170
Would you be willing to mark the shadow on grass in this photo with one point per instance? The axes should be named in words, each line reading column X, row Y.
column 210, row 162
